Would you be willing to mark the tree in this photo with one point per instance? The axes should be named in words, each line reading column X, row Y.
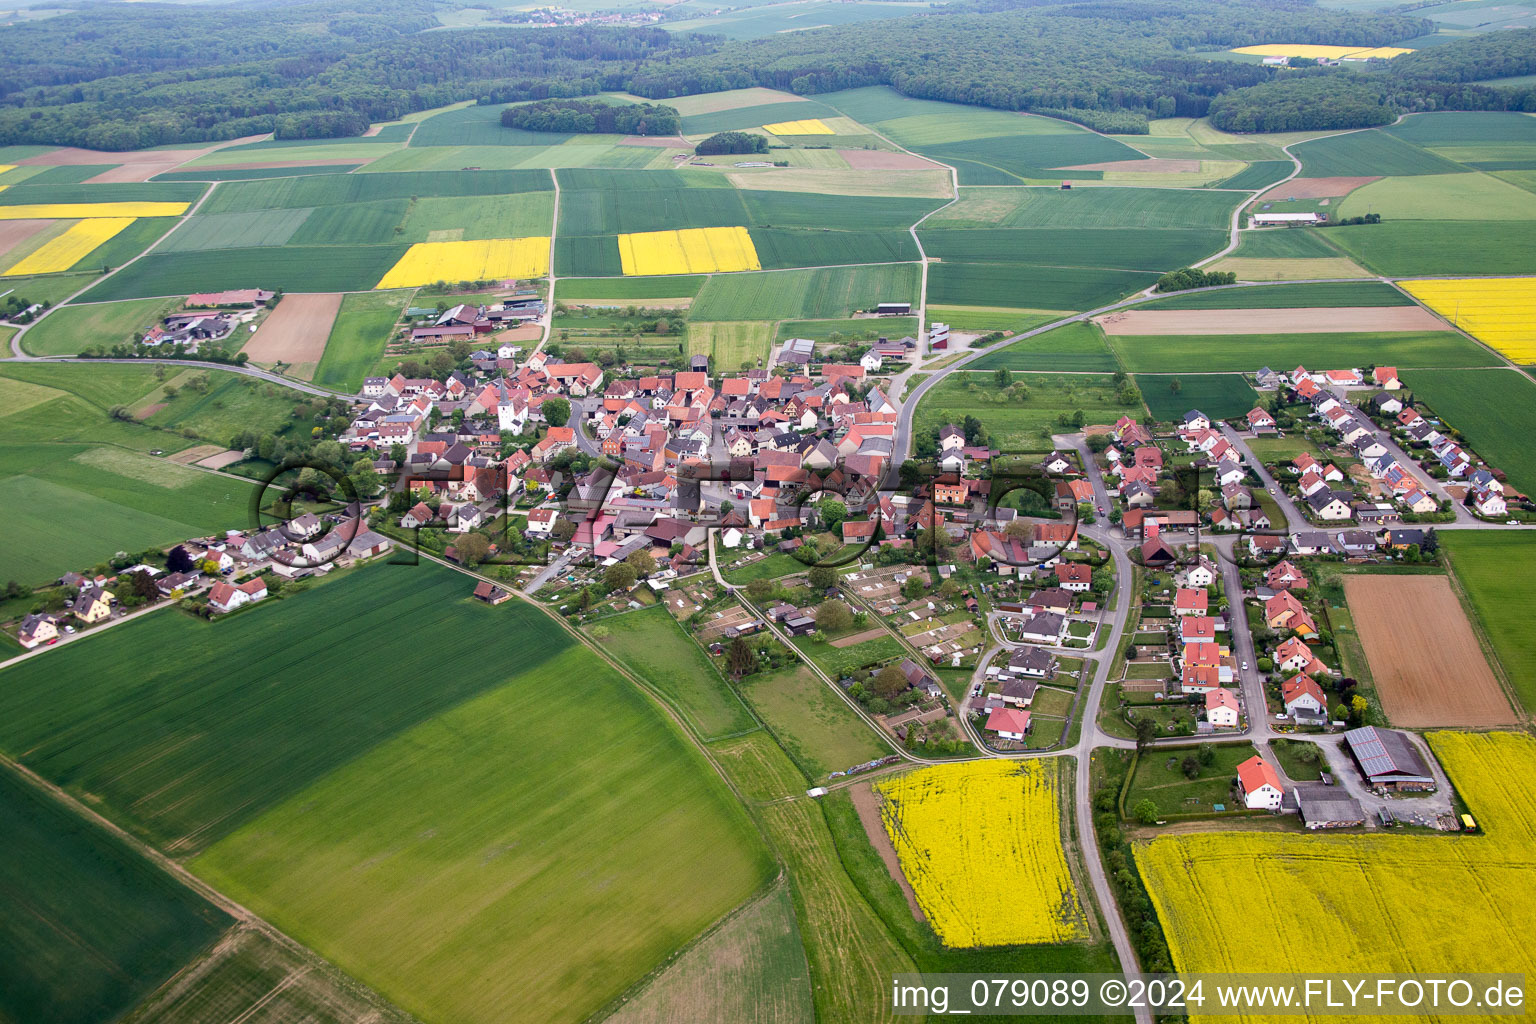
column 889, row 682
column 557, row 411
column 472, row 549
column 832, row 511
column 833, row 617
column 760, row 590
column 178, row 560
column 1191, row 767
column 1019, row 530
column 1175, row 386
column 1207, row 754
column 1003, row 376
column 1340, row 712
column 1145, row 811
column 1146, row 731
column 365, row 479
column 822, row 577
column 913, row 588
column 739, row 659
column 642, row 561
column 620, row 576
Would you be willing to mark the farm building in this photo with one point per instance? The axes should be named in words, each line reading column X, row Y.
column 1388, row 758
column 894, row 309
column 1264, row 220
column 1321, row 808
column 797, row 350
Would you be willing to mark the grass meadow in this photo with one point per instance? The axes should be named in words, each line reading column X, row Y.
column 804, row 294
column 554, row 836
column 820, row 733
column 1075, row 346
column 71, row 329
column 1495, row 571
column 1495, row 410
column 653, row 646
column 1027, row 424
column 1288, row 296
column 1248, row 352
column 358, row 337
column 841, row 661
column 731, row 345
column 88, row 925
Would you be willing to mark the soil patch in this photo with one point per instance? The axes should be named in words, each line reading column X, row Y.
column 1314, row 188
column 1349, row 319
column 149, row 410
column 663, row 141
column 1154, row 165
column 857, row 638
column 71, row 155
column 228, row 457
column 14, row 233
column 884, row 160
column 295, row 332
column 868, row 806
column 1429, row 668
column 193, row 454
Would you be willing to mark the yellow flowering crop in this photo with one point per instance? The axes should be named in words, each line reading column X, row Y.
column 1377, row 903
column 809, row 126
column 71, row 247
column 688, row 251
column 429, row 262
column 981, row 845
column 77, row 211
column 1499, row 311
column 1321, row 52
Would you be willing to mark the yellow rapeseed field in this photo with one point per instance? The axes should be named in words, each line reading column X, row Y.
column 688, row 251
column 809, row 126
column 981, row 845
column 429, row 262
column 77, row 211
column 1321, row 52
column 1499, row 311
column 1378, row 903
column 71, row 247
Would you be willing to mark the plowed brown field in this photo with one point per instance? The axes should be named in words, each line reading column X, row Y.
column 1349, row 319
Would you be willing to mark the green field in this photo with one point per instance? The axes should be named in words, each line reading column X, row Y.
column 1290, row 243
column 628, row 289
column 1075, row 346
column 1218, row 395
column 233, row 404
column 800, row 247
column 754, row 117
column 1031, row 287
column 1495, row 411
column 312, row 268
column 115, row 192
column 1022, row 425
column 358, row 337
column 1258, row 175
column 992, row 318
column 235, row 230
column 89, row 927
column 554, row 836
column 71, row 329
column 731, row 345
column 1405, row 248
column 751, row 968
column 1462, row 127
column 804, row 294
column 652, row 645
column 53, row 288
column 251, row 173
column 1127, row 249
column 867, row 329
column 1369, row 153
column 841, row 661
column 1248, row 352
column 185, row 751
column 339, row 189
column 1495, row 571
column 1288, row 296
column 815, row 727
column 126, row 244
column 1113, row 208
column 1473, row 196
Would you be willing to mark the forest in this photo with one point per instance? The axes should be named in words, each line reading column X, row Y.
column 587, row 117
column 731, row 142
column 127, row 76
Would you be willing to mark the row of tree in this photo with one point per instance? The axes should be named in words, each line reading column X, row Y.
column 731, row 142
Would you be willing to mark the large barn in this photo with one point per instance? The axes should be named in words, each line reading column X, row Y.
column 1388, row 758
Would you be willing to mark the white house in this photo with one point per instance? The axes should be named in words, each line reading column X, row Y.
column 1221, row 708
column 871, row 361
column 541, row 521
column 1260, row 784
column 1302, row 694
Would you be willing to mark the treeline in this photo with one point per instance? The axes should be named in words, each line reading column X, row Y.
column 594, row 116
column 732, row 142
column 1190, row 277
column 1303, row 101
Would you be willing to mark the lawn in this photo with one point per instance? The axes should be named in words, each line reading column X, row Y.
column 804, row 294
column 185, row 750
column 1496, row 571
column 89, row 927
column 838, row 662
column 1248, row 352
column 1172, row 792
column 1495, row 410
column 818, row 730
column 1022, row 424
column 653, row 646
column 1288, row 296
column 553, row 859
column 1076, row 346
column 1292, row 756
column 71, row 329
column 362, row 329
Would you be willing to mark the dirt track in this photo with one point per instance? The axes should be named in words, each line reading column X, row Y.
column 1314, row 188
column 1343, row 320
column 1428, row 666
column 863, row 796
column 295, row 332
